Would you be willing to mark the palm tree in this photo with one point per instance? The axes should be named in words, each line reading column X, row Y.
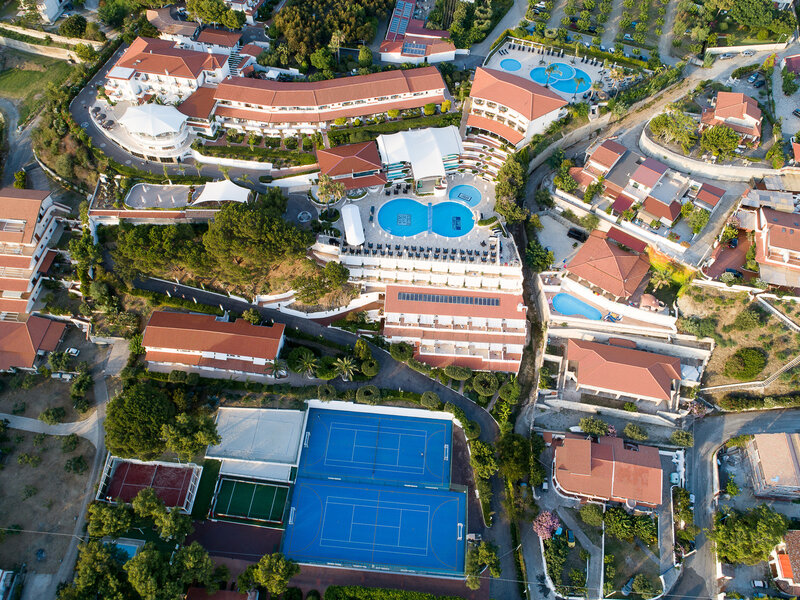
column 337, row 39
column 578, row 82
column 660, row 279
column 616, row 76
column 345, row 367
column 308, row 365
column 597, row 85
column 549, row 71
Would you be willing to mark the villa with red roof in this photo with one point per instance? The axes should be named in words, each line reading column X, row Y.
column 708, row 196
column 784, row 563
column 29, row 220
column 511, row 108
column 608, row 470
column 482, row 330
column 205, row 344
column 23, row 343
column 737, row 111
column 607, row 269
column 354, row 165
column 777, row 241
column 622, row 371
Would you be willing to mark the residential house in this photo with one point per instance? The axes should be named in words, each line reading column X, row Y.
column 604, row 158
column 354, row 165
column 28, row 221
column 206, row 344
column 482, row 330
column 198, row 108
column 606, row 268
column 777, row 240
column 775, row 461
column 737, row 111
column 276, row 107
column 511, row 108
column 169, row 27
column 409, row 41
column 22, row 344
column 50, row 10
column 708, row 196
column 620, row 370
column 784, row 563
column 157, row 68
column 608, row 470
column 217, row 41
column 248, row 7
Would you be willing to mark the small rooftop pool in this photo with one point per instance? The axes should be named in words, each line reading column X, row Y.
column 468, row 194
column 570, row 306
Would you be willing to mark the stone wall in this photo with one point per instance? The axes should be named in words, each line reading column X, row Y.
column 51, row 51
column 56, row 38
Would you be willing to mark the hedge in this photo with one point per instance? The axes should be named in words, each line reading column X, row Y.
column 745, row 364
column 370, row 367
column 290, row 157
column 326, row 392
column 419, row 366
column 484, row 383
column 154, row 299
column 471, row 429
column 368, row 394
column 457, row 372
column 431, row 400
column 739, row 402
column 401, row 352
column 366, row 133
column 326, row 370
column 356, row 592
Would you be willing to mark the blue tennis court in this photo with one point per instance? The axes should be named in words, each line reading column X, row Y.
column 376, row 448
column 372, row 526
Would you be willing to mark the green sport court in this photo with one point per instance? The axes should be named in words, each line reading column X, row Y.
column 249, row 500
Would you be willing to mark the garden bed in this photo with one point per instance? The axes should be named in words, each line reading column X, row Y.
column 629, row 560
column 278, row 158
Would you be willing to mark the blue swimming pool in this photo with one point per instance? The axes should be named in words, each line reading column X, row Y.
column 510, row 64
column 405, row 217
column 569, row 306
column 468, row 194
column 127, row 549
column 563, row 78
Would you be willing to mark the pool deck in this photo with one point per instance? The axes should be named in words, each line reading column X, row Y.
column 533, row 59
column 555, row 316
column 479, row 239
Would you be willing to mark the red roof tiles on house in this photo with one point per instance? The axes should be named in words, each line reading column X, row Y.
column 609, row 469
column 22, row 206
column 622, row 203
column 200, row 103
column 792, row 540
column 349, row 159
column 624, row 370
column 649, row 172
column 608, row 266
column 659, row 209
column 521, row 94
column 21, row 342
column 511, row 306
column 626, row 239
column 608, row 153
column 511, row 135
column 219, row 37
column 710, row 194
column 160, row 57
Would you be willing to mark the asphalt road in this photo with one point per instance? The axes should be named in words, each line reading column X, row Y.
column 393, row 375
column 698, row 580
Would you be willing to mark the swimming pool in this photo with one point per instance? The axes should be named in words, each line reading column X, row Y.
column 468, row 194
column 405, row 217
column 128, row 549
column 564, row 78
column 510, row 64
column 569, row 306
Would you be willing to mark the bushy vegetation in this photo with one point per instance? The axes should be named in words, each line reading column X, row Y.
column 748, row 537
column 675, row 127
column 624, row 526
column 745, row 363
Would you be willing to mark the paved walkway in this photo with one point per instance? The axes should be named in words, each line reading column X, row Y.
column 665, row 41
column 511, row 19
column 612, row 25
column 594, row 577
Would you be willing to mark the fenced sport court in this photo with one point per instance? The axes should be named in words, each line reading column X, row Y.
column 377, row 527
column 377, row 448
column 250, row 500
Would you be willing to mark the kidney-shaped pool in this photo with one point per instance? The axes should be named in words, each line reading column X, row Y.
column 405, row 217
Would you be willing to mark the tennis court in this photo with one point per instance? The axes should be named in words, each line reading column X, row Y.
column 170, row 483
column 376, row 447
column 249, row 500
column 377, row 527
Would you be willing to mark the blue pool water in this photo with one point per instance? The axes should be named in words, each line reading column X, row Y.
column 129, row 550
column 563, row 78
column 468, row 194
column 405, row 217
column 510, row 64
column 570, row 305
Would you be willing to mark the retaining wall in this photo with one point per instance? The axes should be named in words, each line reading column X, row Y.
column 43, row 35
column 232, row 162
column 52, row 52
column 756, row 47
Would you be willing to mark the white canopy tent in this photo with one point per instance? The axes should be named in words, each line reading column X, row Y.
column 353, row 228
column 153, row 120
column 424, row 149
column 222, row 191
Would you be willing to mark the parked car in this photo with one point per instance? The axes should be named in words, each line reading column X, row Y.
column 796, row 112
column 733, row 243
column 545, row 485
column 570, row 538
column 758, row 583
column 749, row 53
column 726, row 56
column 759, row 84
column 735, row 273
column 73, row 352
column 628, row 587
column 674, row 478
column 577, row 234
column 752, row 78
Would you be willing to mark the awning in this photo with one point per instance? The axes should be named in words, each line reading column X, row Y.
column 353, row 229
column 424, row 149
column 222, row 191
column 153, row 119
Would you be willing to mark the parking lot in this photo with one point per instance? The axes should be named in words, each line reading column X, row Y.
column 554, row 238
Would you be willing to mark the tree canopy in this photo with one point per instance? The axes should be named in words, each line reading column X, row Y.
column 514, row 454
column 748, row 538
column 272, row 573
column 720, row 140
column 675, row 127
column 189, row 435
column 134, row 422
column 98, row 574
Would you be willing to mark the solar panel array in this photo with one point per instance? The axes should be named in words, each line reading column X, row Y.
column 400, row 16
column 447, row 299
column 414, row 49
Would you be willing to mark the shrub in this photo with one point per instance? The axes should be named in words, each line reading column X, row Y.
column 592, row 514
column 69, row 443
column 749, row 318
column 77, row 465
column 631, row 407
column 635, row 432
column 457, row 372
column 326, row 392
column 484, row 383
column 431, row 400
column 419, row 366
column 326, row 370
column 368, row 394
column 682, row 438
column 176, row 376
column 745, row 364
column 293, row 593
column 401, row 352
column 594, row 426
column 510, row 392
column 296, row 357
column 53, row 416
column 643, row 586
column 370, row 367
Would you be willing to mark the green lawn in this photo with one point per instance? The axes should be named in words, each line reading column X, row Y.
column 629, row 560
column 27, row 85
column 205, row 489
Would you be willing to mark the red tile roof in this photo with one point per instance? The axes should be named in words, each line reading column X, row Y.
column 710, row 194
column 47, row 262
column 160, row 57
column 251, row 50
column 609, row 469
column 521, row 94
column 659, row 209
column 263, row 92
column 20, row 342
column 511, row 135
column 783, row 229
column 792, row 540
column 737, row 106
column 625, row 370
column 649, row 172
column 622, row 203
column 203, row 333
column 608, row 153
column 793, row 63
column 608, row 266
column 626, row 239
column 796, row 152
column 511, row 305
column 348, row 159
column 21, row 205
column 200, row 103
column 219, row 37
